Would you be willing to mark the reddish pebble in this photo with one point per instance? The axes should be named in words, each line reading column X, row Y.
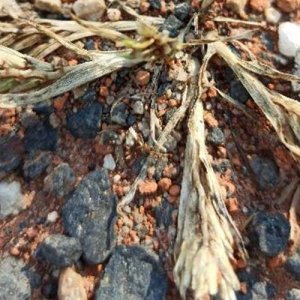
column 148, row 187
column 174, row 190
column 31, row 232
column 59, row 102
column 142, row 77
column 259, row 5
column 288, row 6
column 14, row 251
column 103, row 91
column 172, row 103
column 164, row 184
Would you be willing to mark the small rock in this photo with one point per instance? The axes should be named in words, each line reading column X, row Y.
column 60, row 181
column 86, row 122
column 182, row 11
column 259, row 5
column 142, row 77
column 293, row 294
column 163, row 214
column 289, row 38
column 34, row 167
column 156, row 4
column 266, row 172
column 44, row 108
column 269, row 233
column 174, row 190
column 60, row 250
column 288, row 6
column 71, row 286
column 119, row 114
column 52, row 216
column 14, row 282
column 10, row 154
column 148, row 187
column 11, row 199
column 132, row 273
column 138, row 107
column 109, row 162
column 89, row 214
column 164, row 184
column 272, row 15
column 40, row 136
column 113, row 14
column 91, row 10
column 293, row 265
column 172, row 25
column 48, row 5
column 238, row 92
column 263, row 290
column 216, row 136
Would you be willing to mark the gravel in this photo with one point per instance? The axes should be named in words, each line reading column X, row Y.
column 60, row 181
column 216, row 136
column 40, row 136
column 86, row 122
column 10, row 154
column 109, row 162
column 89, row 214
column 293, row 265
column 60, row 250
column 36, row 165
column 132, row 273
column 293, row 294
column 238, row 92
column 119, row 114
column 14, row 282
column 172, row 25
column 182, row 11
column 266, row 172
column 269, row 233
column 156, row 4
column 163, row 214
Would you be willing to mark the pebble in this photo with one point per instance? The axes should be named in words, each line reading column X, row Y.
column 172, row 25
column 259, row 5
column 11, row 149
column 59, row 250
column 86, row 122
column 71, row 286
column 14, row 281
column 48, row 5
column 263, row 290
column 52, row 216
column 164, row 184
column 148, row 187
column 163, row 214
column 288, row 6
column 138, row 108
column 174, row 190
column 272, row 15
column 269, row 233
column 216, row 136
column 40, row 136
column 60, row 181
column 289, row 38
column 113, row 14
column 91, row 10
column 293, row 294
column 89, row 214
column 266, row 171
column 182, row 11
column 109, row 162
column 119, row 114
column 35, row 166
column 293, row 265
column 142, row 77
column 132, row 273
column 156, row 4
column 238, row 92
column 11, row 199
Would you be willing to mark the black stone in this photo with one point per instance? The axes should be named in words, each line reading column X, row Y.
column 35, row 166
column 14, row 283
column 156, row 4
column 293, row 265
column 41, row 136
column 90, row 95
column 216, row 136
column 89, row 214
column 11, row 149
column 60, row 250
column 266, row 171
column 269, row 233
column 43, row 108
column 238, row 92
column 182, row 11
column 119, row 114
column 172, row 25
column 131, row 119
column 89, row 44
column 132, row 273
column 86, row 122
